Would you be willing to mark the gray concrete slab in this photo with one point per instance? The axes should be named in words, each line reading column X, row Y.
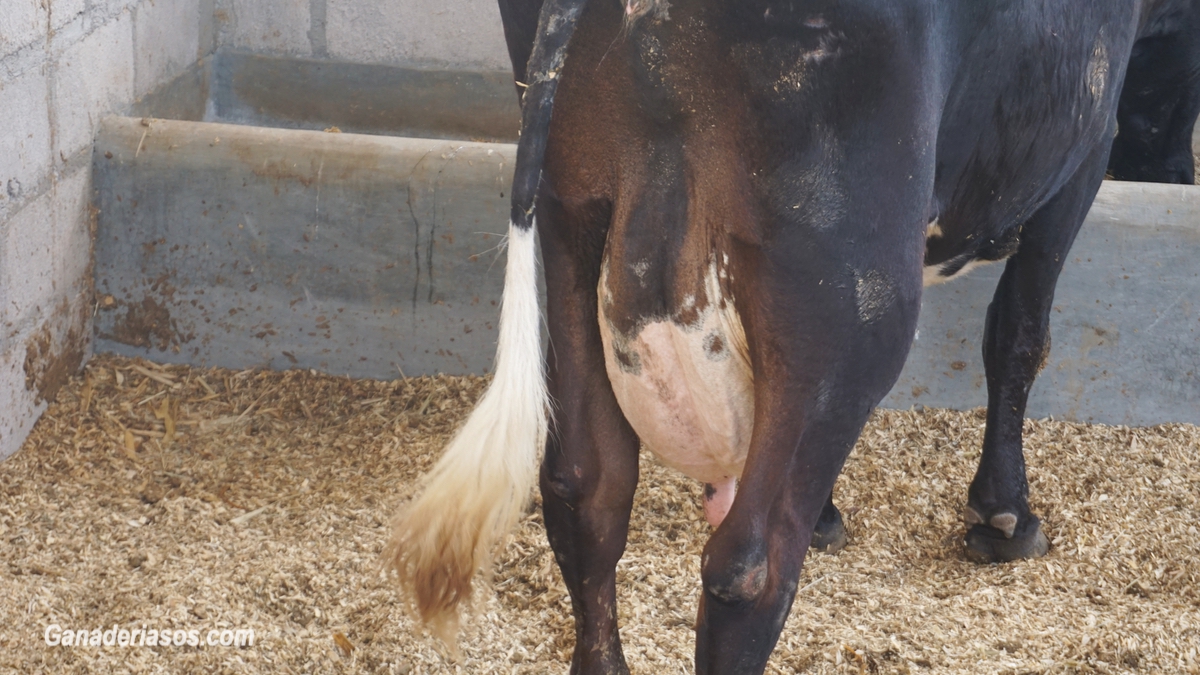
column 365, row 98
column 186, row 97
column 246, row 246
column 360, row 255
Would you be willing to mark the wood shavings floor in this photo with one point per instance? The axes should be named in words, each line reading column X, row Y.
column 260, row 500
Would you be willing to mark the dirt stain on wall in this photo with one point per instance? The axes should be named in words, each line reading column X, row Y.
column 50, row 363
column 146, row 324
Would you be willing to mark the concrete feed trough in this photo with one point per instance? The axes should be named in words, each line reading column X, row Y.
column 247, row 246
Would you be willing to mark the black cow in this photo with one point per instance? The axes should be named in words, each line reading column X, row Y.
column 739, row 203
column 1161, row 99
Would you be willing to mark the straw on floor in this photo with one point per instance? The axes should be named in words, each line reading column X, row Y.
column 201, row 499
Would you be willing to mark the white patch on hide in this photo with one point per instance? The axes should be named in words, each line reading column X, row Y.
column 829, row 45
column 691, row 396
column 639, row 270
column 1097, row 70
column 874, row 293
column 636, row 9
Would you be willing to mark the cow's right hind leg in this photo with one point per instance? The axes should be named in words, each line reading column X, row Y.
column 590, row 468
column 1016, row 345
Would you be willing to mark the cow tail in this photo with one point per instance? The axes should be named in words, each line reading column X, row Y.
column 479, row 488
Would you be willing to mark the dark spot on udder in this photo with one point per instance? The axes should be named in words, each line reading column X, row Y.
column 714, row 344
column 709, row 491
column 714, row 347
column 628, row 361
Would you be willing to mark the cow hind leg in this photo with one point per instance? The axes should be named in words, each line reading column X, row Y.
column 809, row 412
column 751, row 565
column 587, row 494
column 1015, row 348
column 590, row 469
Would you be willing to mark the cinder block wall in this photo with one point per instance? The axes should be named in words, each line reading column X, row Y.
column 64, row 64
column 453, row 34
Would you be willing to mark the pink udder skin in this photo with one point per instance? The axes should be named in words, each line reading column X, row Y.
column 718, row 497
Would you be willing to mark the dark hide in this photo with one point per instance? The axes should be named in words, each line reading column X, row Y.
column 1161, row 99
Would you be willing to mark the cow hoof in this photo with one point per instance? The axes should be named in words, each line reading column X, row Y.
column 830, row 535
column 991, row 545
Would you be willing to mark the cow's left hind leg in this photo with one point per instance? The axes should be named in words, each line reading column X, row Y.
column 590, row 469
column 829, row 536
column 1015, row 347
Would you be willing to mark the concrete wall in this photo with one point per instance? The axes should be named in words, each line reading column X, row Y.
column 64, row 64
column 448, row 34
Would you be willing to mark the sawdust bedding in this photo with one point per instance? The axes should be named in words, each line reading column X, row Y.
column 203, row 499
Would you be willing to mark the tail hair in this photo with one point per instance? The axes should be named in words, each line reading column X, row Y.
column 478, row 490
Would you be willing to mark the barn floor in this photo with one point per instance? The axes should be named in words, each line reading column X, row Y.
column 197, row 499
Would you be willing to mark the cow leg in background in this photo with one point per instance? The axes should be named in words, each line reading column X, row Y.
column 1016, row 344
column 829, row 535
column 1159, row 103
column 590, row 469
